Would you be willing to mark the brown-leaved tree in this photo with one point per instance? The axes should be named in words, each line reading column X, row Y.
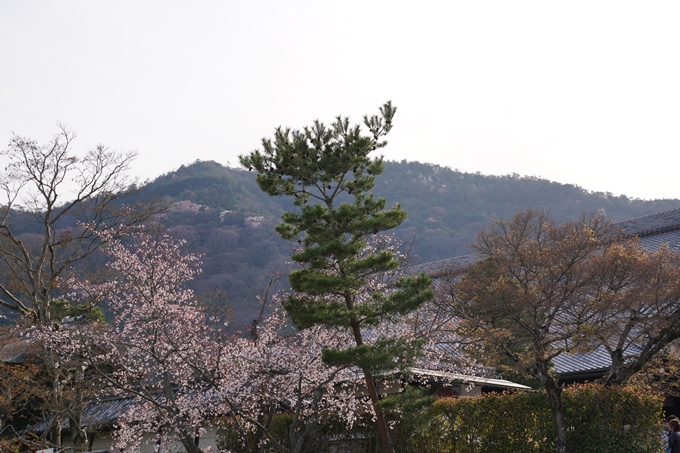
column 540, row 290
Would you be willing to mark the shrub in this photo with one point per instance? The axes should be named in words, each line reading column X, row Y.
column 600, row 420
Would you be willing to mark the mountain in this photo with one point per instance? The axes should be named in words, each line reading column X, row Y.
column 222, row 213
column 446, row 208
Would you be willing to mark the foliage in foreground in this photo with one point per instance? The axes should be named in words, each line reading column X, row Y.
column 600, row 419
column 182, row 365
column 329, row 173
column 542, row 290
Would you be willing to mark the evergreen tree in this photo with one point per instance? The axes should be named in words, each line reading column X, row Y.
column 331, row 168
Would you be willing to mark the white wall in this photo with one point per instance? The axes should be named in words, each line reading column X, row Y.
column 104, row 441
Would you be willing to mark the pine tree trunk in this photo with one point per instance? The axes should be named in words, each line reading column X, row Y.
column 387, row 444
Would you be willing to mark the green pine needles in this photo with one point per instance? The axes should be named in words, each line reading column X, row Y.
column 329, row 172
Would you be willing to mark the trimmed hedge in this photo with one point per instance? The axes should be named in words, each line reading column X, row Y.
column 606, row 419
column 600, row 420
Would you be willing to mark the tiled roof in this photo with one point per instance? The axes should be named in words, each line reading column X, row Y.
column 15, row 352
column 435, row 268
column 597, row 359
column 653, row 230
column 654, row 241
column 652, row 224
column 96, row 414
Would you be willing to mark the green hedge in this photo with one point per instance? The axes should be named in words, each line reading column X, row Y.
column 599, row 420
column 613, row 420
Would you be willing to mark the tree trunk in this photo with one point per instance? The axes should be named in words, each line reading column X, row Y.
column 56, row 409
column 388, row 446
column 78, row 434
column 55, row 430
column 554, row 393
column 189, row 444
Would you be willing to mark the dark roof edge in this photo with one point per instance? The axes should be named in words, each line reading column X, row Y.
column 433, row 268
column 653, row 231
column 585, row 375
column 646, row 225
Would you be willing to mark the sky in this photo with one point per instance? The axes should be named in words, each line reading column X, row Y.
column 580, row 92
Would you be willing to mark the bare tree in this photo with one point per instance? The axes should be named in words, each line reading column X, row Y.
column 529, row 296
column 637, row 292
column 53, row 203
column 540, row 290
column 62, row 199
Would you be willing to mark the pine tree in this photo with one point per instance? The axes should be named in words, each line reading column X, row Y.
column 329, row 173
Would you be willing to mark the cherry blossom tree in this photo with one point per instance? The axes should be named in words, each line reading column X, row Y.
column 284, row 373
column 185, row 368
column 53, row 201
column 157, row 334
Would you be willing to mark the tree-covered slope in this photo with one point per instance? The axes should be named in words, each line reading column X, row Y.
column 446, row 208
column 222, row 213
column 214, row 186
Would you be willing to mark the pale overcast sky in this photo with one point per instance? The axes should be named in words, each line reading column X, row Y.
column 583, row 92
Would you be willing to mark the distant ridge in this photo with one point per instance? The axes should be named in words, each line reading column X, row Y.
column 222, row 214
column 446, row 209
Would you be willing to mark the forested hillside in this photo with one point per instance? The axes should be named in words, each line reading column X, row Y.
column 222, row 213
column 447, row 208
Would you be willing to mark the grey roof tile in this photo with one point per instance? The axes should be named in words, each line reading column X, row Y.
column 653, row 231
column 654, row 241
column 96, row 414
column 435, row 268
column 597, row 359
column 16, row 352
column 652, row 224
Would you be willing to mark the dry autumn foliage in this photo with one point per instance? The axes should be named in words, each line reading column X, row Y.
column 541, row 289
